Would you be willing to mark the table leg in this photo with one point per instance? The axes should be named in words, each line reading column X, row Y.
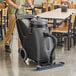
column 54, row 23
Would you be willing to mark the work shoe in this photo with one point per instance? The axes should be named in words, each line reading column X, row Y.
column 7, row 49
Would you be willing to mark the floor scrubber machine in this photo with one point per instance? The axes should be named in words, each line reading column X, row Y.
column 37, row 42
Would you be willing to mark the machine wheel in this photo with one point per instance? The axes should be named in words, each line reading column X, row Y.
column 23, row 54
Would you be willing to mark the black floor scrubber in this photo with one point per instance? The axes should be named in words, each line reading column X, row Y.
column 37, row 43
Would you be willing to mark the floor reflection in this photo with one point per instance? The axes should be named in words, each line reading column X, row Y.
column 12, row 65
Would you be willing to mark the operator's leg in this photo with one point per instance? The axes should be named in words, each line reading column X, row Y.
column 10, row 23
column 19, row 43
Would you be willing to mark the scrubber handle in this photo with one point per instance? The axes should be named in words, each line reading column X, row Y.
column 33, row 10
column 18, row 9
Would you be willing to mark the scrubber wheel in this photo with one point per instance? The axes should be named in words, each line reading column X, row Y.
column 22, row 53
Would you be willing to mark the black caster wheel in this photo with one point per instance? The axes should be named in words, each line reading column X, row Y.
column 22, row 53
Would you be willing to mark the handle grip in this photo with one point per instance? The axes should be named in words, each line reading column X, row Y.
column 33, row 10
column 25, row 5
column 22, row 6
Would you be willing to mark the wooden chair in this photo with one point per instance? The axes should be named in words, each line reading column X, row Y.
column 57, row 22
column 50, row 7
column 50, row 1
column 74, row 31
column 57, row 1
column 73, row 18
column 73, row 21
column 45, row 6
column 74, row 2
column 2, row 6
column 62, row 32
column 50, row 22
column 31, row 0
column 72, row 6
column 57, row 4
column 38, row 11
column 3, row 21
column 29, row 11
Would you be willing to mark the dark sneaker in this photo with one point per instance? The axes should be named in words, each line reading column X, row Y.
column 7, row 49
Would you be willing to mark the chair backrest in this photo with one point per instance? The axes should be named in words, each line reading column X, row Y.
column 72, row 6
column 31, row 1
column 74, row 22
column 73, row 18
column 70, row 25
column 2, row 6
column 38, row 11
column 4, row 12
column 3, row 16
column 45, row 6
column 51, row 1
column 51, row 6
column 48, row 0
column 29, row 11
column 57, row 1
column 73, row 2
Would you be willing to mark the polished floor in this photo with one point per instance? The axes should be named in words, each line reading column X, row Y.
column 12, row 65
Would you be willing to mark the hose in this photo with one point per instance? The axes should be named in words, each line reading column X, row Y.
column 6, row 39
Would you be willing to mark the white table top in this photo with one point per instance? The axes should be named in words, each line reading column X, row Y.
column 72, row 10
column 57, row 14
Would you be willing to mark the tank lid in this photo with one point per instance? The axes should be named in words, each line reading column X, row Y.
column 38, row 21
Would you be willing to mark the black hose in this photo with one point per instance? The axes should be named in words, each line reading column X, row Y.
column 54, row 40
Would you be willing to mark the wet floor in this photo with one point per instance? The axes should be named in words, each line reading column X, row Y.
column 12, row 65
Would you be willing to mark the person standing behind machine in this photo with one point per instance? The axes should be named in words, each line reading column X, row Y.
column 12, row 6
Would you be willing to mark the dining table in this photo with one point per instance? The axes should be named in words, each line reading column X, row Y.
column 57, row 14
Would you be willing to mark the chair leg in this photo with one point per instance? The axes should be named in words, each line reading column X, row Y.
column 74, row 38
column 61, row 39
column 4, row 30
column 49, row 29
column 69, row 42
column 1, row 34
column 61, row 43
